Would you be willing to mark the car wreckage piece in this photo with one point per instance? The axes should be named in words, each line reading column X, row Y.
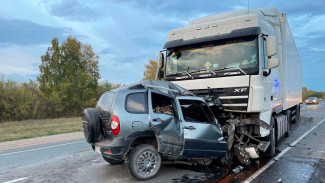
column 152, row 121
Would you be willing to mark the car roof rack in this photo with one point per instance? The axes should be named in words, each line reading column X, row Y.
column 159, row 87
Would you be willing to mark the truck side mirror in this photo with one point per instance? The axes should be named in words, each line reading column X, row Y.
column 160, row 74
column 160, row 60
column 272, row 63
column 270, row 46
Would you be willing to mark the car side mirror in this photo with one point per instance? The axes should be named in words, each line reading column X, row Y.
column 272, row 63
column 270, row 46
column 160, row 60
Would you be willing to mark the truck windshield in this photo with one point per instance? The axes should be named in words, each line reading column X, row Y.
column 222, row 55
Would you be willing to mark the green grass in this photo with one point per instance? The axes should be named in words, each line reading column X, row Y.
column 14, row 130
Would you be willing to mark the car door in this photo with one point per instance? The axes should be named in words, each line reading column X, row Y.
column 164, row 120
column 203, row 137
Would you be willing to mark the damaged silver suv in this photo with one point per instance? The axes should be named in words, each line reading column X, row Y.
column 153, row 121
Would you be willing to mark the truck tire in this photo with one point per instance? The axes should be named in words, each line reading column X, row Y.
column 297, row 114
column 270, row 152
column 91, row 125
column 288, row 114
column 144, row 162
column 113, row 161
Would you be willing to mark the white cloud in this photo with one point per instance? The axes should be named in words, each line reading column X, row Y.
column 318, row 49
column 306, row 27
column 17, row 60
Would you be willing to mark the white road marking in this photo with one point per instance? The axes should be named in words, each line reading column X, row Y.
column 261, row 170
column 42, row 148
column 16, row 180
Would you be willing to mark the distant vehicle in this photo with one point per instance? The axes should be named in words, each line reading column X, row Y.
column 152, row 121
column 320, row 99
column 312, row 100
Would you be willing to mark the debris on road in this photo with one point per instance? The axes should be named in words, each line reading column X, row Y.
column 237, row 169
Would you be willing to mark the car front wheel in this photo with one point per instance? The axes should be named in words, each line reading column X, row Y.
column 144, row 162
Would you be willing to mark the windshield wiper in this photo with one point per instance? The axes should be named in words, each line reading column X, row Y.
column 223, row 69
column 241, row 70
column 231, row 68
column 179, row 73
column 203, row 70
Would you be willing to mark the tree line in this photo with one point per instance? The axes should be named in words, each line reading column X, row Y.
column 67, row 83
column 311, row 93
column 21, row 101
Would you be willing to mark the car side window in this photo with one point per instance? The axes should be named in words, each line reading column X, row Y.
column 162, row 104
column 196, row 111
column 136, row 103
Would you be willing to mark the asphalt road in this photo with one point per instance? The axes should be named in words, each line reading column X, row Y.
column 76, row 162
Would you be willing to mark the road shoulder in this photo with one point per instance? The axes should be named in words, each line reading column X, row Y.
column 17, row 144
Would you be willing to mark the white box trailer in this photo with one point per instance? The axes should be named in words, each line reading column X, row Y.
column 246, row 62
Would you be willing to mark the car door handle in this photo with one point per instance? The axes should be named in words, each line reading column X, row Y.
column 157, row 119
column 189, row 127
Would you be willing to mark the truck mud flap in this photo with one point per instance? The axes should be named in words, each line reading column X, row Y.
column 282, row 125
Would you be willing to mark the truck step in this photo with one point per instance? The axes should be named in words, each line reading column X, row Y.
column 282, row 125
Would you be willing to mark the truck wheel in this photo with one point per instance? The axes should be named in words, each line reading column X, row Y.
column 297, row 114
column 270, row 152
column 113, row 161
column 288, row 114
column 144, row 162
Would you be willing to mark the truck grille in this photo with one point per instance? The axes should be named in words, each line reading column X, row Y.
column 232, row 99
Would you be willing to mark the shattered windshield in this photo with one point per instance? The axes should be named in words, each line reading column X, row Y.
column 239, row 54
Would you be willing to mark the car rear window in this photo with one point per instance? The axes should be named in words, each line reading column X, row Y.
column 136, row 103
column 106, row 100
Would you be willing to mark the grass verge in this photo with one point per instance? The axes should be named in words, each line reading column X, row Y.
column 14, row 130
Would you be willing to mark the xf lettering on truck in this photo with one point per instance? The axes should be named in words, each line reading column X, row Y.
column 240, row 90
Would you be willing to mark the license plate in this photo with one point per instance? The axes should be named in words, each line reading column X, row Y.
column 97, row 149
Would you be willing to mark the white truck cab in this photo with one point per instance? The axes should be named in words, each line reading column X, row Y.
column 248, row 64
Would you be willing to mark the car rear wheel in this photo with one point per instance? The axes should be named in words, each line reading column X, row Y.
column 113, row 161
column 144, row 162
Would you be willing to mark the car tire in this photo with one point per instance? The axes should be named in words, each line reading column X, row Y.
column 113, row 161
column 144, row 162
column 270, row 152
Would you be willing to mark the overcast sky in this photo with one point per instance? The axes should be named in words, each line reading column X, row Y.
column 126, row 34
